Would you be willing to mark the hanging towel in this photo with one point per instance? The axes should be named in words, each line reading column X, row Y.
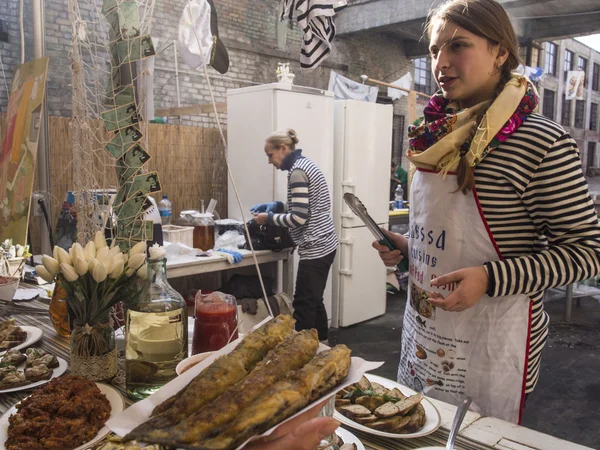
column 347, row 89
column 315, row 17
column 404, row 82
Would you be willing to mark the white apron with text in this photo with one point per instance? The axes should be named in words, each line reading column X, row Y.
column 480, row 352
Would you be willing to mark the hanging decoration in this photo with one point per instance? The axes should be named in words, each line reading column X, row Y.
column 131, row 202
column 315, row 17
column 199, row 35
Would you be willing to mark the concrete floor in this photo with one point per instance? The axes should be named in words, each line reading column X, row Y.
column 566, row 402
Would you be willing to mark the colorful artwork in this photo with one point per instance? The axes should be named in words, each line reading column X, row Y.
column 575, row 82
column 124, row 20
column 123, row 141
column 121, row 117
column 135, row 49
column 18, row 154
column 131, row 201
column 129, row 164
column 122, row 95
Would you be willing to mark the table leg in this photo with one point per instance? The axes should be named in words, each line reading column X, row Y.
column 288, row 275
column 569, row 303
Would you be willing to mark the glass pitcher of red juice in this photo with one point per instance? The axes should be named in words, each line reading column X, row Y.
column 215, row 321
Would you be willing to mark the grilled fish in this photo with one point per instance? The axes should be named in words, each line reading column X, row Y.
column 284, row 399
column 291, row 354
column 223, row 373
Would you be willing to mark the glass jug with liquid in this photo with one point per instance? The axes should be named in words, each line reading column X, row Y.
column 215, row 321
column 186, row 218
column 204, row 231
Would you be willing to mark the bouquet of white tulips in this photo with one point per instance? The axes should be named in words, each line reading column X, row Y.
column 95, row 277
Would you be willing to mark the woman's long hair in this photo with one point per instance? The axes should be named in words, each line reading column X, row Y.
column 488, row 19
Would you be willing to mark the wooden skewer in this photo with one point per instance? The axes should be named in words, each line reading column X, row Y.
column 393, row 86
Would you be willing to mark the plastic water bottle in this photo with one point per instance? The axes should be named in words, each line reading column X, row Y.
column 398, row 200
column 166, row 210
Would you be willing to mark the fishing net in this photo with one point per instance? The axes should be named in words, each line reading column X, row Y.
column 111, row 47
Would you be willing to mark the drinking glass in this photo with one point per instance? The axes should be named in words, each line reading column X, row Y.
column 330, row 442
column 215, row 321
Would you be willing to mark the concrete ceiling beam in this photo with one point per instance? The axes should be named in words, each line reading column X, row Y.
column 560, row 28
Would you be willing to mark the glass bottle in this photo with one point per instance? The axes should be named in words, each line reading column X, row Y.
column 59, row 315
column 156, row 334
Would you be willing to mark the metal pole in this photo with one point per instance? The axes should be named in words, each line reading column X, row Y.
column 43, row 158
column 569, row 303
column 176, row 72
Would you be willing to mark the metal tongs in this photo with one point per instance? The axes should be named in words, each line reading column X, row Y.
column 8, row 309
column 360, row 210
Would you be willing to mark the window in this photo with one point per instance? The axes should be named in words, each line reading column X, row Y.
column 398, row 138
column 596, row 77
column 594, row 117
column 579, row 113
column 569, row 59
column 548, row 106
column 582, row 64
column 423, row 75
column 535, row 56
column 551, row 50
column 591, row 156
column 566, row 113
column 523, row 53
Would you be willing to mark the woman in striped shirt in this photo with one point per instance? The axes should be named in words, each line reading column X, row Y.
column 500, row 212
column 308, row 216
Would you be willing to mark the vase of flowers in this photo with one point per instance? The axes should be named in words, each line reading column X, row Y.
column 96, row 277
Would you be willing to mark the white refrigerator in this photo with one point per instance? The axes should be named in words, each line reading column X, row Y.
column 362, row 156
column 255, row 112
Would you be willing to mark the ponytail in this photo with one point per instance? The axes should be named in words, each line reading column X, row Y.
column 465, row 175
column 288, row 138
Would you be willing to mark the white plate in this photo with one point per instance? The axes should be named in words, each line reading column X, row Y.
column 432, row 415
column 191, row 361
column 34, row 334
column 117, row 405
column 56, row 372
column 349, row 438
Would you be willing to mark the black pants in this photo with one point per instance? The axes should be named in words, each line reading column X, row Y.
column 309, row 310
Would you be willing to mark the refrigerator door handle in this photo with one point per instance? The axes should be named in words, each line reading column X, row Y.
column 346, row 246
column 347, row 186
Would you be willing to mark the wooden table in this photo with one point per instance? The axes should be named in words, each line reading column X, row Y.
column 184, row 265
column 477, row 432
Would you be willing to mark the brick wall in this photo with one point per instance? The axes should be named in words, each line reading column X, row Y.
column 250, row 29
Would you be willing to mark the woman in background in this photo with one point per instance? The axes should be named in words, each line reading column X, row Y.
column 308, row 216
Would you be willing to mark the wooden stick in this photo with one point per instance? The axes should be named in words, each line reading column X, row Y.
column 190, row 110
column 393, row 86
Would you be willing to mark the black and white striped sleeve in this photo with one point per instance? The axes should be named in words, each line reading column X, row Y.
column 558, row 201
column 298, row 206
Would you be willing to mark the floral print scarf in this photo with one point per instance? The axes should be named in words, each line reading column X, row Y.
column 439, row 139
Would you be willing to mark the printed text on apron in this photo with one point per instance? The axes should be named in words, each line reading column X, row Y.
column 479, row 352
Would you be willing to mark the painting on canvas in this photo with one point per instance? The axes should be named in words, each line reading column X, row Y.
column 18, row 153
